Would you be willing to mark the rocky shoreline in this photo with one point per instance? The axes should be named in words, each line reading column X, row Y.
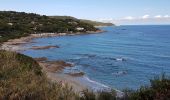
column 16, row 44
column 52, row 69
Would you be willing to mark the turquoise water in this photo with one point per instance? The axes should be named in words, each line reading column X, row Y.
column 123, row 57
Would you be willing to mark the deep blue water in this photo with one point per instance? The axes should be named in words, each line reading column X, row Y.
column 123, row 57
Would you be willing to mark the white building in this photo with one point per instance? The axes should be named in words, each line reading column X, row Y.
column 79, row 28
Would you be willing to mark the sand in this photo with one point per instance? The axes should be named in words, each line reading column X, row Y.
column 64, row 79
column 16, row 44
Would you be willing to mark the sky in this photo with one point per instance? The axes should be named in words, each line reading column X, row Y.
column 121, row 12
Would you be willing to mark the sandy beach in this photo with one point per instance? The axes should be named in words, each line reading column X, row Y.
column 57, row 76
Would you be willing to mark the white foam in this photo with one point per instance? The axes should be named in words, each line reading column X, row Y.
column 96, row 86
column 96, row 83
column 120, row 59
column 103, row 87
column 80, row 57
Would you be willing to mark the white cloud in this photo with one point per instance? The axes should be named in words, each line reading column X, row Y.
column 145, row 16
column 104, row 19
column 158, row 16
column 145, row 19
column 166, row 16
column 129, row 18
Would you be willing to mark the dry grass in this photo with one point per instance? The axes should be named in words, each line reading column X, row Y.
column 21, row 78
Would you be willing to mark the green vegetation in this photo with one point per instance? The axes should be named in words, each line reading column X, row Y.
column 18, row 24
column 64, row 17
column 159, row 90
column 87, row 95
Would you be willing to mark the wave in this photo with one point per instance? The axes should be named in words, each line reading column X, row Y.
column 120, row 59
column 78, row 58
column 74, row 69
column 116, row 59
column 96, row 83
column 82, row 56
column 160, row 56
column 119, row 73
column 86, row 55
column 96, row 86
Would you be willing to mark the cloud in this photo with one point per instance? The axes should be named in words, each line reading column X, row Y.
column 166, row 16
column 129, row 18
column 145, row 19
column 105, row 19
column 158, row 16
column 145, row 16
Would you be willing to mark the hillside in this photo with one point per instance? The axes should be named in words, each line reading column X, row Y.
column 94, row 23
column 18, row 24
column 21, row 78
column 64, row 17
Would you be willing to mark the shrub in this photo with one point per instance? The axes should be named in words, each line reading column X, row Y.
column 158, row 90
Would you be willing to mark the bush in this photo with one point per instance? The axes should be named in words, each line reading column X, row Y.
column 101, row 95
column 159, row 90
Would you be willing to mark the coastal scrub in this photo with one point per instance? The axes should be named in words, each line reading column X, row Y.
column 21, row 78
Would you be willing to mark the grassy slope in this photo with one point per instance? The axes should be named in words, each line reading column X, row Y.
column 21, row 78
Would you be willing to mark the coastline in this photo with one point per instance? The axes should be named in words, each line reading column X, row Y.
column 104, row 26
column 16, row 45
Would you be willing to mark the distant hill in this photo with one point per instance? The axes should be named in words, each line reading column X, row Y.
column 64, row 17
column 94, row 23
column 17, row 24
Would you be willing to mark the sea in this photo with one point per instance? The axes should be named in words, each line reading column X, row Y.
column 122, row 57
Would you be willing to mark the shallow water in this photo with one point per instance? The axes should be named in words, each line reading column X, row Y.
column 123, row 57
